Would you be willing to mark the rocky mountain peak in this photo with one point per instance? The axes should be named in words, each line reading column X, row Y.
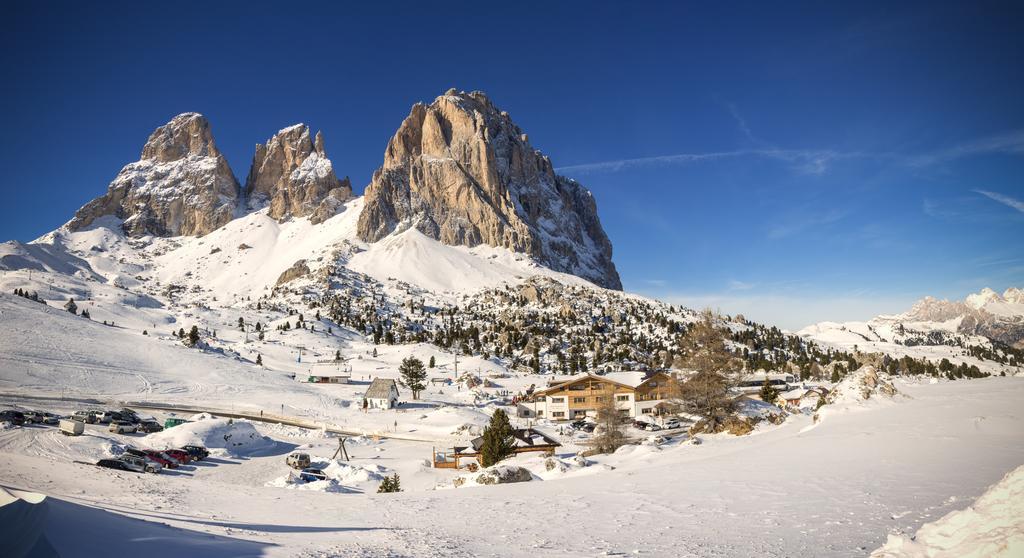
column 187, row 134
column 459, row 170
column 182, row 185
column 293, row 175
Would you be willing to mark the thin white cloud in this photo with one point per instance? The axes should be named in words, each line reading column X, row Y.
column 805, row 161
column 815, row 161
column 736, row 285
column 1011, row 142
column 1005, row 200
column 742, row 123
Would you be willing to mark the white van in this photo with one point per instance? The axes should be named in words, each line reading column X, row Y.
column 70, row 427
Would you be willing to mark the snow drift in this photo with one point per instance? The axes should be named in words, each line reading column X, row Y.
column 992, row 527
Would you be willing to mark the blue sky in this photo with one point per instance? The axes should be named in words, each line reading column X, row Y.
column 795, row 163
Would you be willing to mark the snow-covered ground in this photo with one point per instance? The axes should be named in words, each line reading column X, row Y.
column 838, row 489
column 992, row 527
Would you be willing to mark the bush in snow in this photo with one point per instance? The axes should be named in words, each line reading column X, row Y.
column 390, row 484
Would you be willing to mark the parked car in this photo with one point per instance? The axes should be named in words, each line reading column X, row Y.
column 16, row 418
column 198, row 453
column 583, row 425
column 161, row 458
column 71, row 427
column 297, row 460
column 122, row 427
column 644, row 425
column 178, row 455
column 33, row 417
column 174, row 421
column 135, row 451
column 130, row 416
column 673, row 423
column 88, row 417
column 310, row 474
column 50, row 419
column 149, row 426
column 115, row 464
column 141, row 464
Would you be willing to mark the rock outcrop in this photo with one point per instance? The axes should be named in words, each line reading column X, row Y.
column 293, row 175
column 298, row 269
column 182, row 185
column 460, row 171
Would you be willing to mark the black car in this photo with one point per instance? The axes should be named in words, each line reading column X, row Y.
column 114, row 464
column 582, row 425
column 148, row 426
column 135, row 451
column 16, row 418
column 197, row 452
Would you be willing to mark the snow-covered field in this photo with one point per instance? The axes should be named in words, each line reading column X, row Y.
column 838, row 489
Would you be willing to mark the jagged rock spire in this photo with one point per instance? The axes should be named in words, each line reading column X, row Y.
column 460, row 171
column 293, row 175
column 182, row 185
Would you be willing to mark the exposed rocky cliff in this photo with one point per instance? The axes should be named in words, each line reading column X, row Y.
column 182, row 185
column 460, row 171
column 293, row 175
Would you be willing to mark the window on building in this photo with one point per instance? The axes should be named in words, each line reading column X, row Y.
column 649, row 410
column 558, row 400
column 578, row 387
column 622, row 397
column 557, row 414
column 579, row 399
column 598, row 399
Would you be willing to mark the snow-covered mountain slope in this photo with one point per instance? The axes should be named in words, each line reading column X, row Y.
column 414, row 258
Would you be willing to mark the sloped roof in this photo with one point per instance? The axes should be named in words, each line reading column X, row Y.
column 631, row 380
column 380, row 388
column 524, row 438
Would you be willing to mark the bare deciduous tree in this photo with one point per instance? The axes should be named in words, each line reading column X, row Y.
column 610, row 423
column 706, row 391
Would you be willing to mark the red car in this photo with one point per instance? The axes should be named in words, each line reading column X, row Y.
column 162, row 459
column 178, row 455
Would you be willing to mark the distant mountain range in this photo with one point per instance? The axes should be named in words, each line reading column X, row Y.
column 985, row 314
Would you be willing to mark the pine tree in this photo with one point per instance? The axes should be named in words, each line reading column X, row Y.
column 259, row 360
column 768, row 393
column 498, row 441
column 193, row 336
column 432, row 362
column 337, row 355
column 413, row 375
